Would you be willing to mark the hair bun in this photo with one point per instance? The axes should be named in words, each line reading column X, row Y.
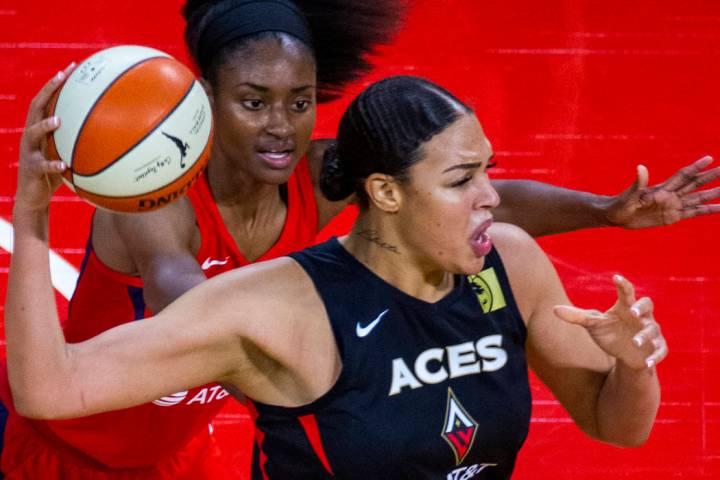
column 335, row 182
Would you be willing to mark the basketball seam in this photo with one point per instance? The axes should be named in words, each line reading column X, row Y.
column 159, row 125
column 99, row 98
column 112, row 197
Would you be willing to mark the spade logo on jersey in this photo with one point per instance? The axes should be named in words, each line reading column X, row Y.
column 487, row 288
column 460, row 428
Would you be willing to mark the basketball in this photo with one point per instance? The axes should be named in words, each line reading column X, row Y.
column 136, row 129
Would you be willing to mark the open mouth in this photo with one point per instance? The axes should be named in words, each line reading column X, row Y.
column 277, row 158
column 480, row 240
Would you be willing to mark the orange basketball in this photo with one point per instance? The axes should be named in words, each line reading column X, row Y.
column 136, row 129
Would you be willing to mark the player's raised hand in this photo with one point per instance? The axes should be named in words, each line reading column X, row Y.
column 677, row 198
column 627, row 331
column 39, row 177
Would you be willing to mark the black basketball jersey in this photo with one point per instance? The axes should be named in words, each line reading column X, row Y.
column 427, row 390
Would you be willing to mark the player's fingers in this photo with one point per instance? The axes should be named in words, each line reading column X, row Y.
column 34, row 134
column 625, row 290
column 686, row 174
column 38, row 105
column 698, row 198
column 36, row 165
column 642, row 309
column 51, row 167
column 659, row 354
column 700, row 210
column 578, row 316
column 700, row 180
column 647, row 335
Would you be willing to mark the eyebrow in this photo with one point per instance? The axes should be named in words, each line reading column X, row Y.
column 261, row 88
column 467, row 166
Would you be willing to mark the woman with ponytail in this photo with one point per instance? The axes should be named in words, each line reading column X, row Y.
column 265, row 64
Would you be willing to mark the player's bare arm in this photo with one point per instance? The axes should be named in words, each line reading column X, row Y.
column 157, row 246
column 543, row 209
column 590, row 367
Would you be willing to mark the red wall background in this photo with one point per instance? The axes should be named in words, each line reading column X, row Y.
column 572, row 92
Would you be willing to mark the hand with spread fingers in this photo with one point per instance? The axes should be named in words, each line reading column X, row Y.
column 627, row 331
column 677, row 198
column 39, row 177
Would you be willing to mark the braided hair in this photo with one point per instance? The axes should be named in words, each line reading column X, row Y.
column 383, row 131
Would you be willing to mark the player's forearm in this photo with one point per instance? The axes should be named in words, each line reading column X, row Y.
column 37, row 360
column 542, row 209
column 627, row 405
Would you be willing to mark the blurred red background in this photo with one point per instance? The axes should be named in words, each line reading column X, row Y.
column 571, row 92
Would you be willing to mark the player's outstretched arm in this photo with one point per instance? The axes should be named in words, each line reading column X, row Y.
column 542, row 209
column 600, row 366
column 155, row 245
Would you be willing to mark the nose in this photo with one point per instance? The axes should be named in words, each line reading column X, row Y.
column 486, row 196
column 279, row 124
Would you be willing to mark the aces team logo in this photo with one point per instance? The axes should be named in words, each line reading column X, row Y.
column 460, row 428
column 487, row 288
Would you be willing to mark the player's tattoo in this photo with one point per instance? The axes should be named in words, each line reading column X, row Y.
column 372, row 236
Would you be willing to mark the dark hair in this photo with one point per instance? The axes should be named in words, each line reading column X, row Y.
column 344, row 34
column 383, row 131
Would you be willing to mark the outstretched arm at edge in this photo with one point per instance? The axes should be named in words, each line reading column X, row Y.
column 543, row 209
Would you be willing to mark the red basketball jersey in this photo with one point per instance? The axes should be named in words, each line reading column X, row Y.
column 217, row 245
column 142, row 435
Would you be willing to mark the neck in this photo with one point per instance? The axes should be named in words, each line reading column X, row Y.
column 375, row 243
column 231, row 187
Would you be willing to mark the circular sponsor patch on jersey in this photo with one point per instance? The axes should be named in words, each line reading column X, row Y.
column 171, row 400
column 483, row 292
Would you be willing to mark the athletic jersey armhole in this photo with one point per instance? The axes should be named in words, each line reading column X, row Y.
column 97, row 264
column 336, row 387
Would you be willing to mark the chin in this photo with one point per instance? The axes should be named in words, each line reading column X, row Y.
column 472, row 266
column 273, row 176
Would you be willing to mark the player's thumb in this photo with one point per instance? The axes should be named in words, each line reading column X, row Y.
column 643, row 177
column 640, row 182
column 577, row 316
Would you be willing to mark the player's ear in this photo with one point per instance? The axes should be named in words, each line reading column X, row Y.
column 383, row 192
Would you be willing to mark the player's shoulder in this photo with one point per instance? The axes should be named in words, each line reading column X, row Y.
column 521, row 255
column 121, row 240
column 508, row 237
column 265, row 300
column 277, row 280
column 174, row 221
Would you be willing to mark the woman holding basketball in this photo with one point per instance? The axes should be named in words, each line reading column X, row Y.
column 436, row 344
column 263, row 76
column 258, row 200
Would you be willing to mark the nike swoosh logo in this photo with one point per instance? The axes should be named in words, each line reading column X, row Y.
column 211, row 263
column 361, row 331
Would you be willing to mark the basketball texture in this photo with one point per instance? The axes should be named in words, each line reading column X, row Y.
column 136, row 129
